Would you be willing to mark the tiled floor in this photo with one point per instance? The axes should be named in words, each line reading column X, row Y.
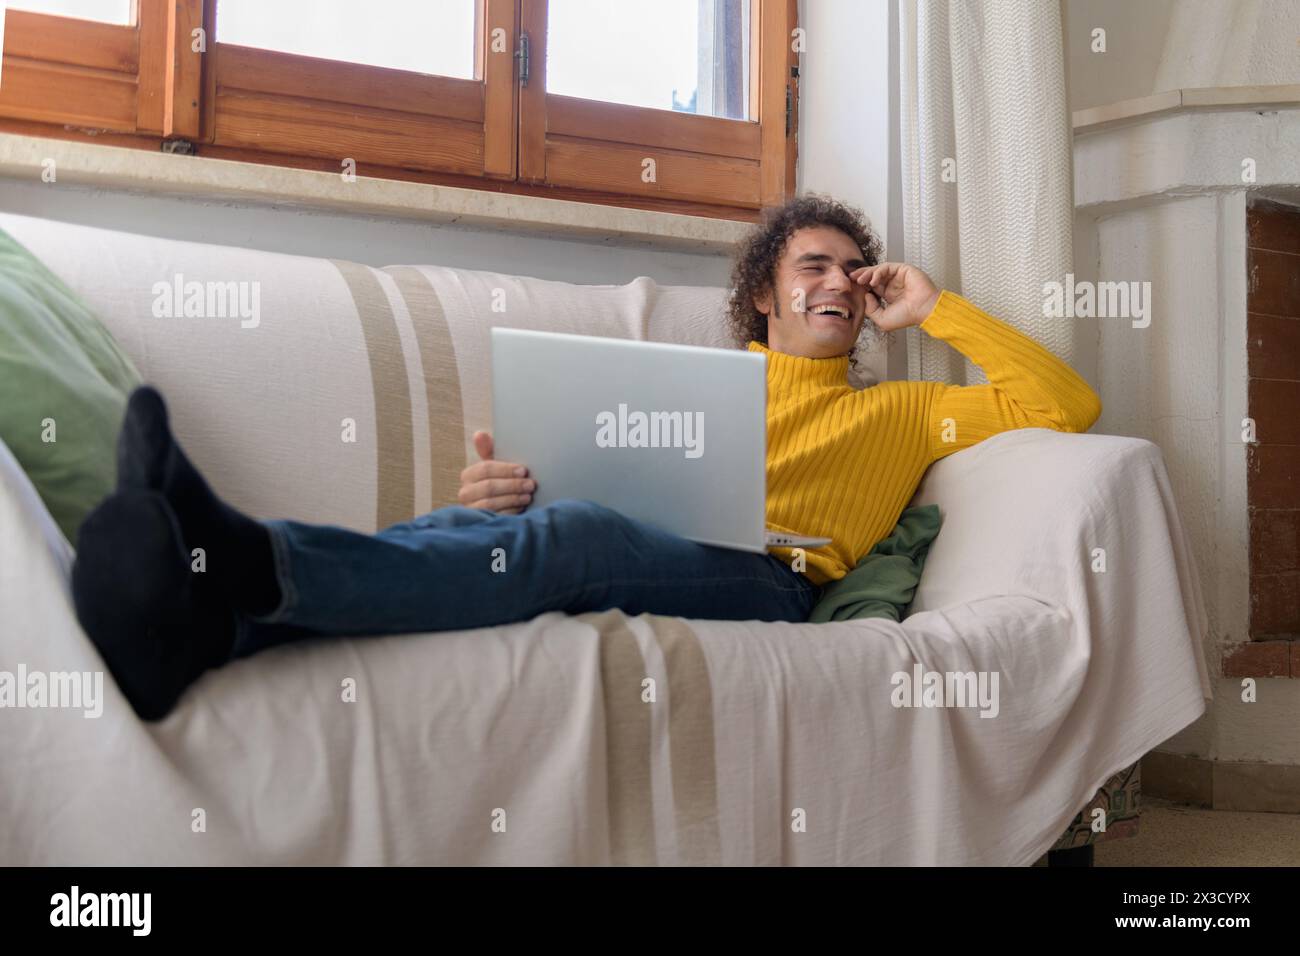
column 1173, row 835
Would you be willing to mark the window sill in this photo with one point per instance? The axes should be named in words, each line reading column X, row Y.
column 204, row 178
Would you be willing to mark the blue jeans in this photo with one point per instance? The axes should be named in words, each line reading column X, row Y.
column 458, row 568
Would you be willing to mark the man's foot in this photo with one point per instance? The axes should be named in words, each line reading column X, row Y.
column 237, row 554
column 136, row 600
column 158, row 623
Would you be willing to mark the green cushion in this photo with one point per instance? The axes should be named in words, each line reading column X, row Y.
column 62, row 377
column 885, row 580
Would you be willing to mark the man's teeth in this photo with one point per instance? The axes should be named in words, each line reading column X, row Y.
column 842, row 312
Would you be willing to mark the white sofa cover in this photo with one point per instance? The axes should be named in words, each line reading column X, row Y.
column 531, row 744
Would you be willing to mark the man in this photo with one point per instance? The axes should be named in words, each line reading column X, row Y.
column 842, row 463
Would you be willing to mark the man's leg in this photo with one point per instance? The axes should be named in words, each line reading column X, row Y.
column 159, row 623
column 460, row 568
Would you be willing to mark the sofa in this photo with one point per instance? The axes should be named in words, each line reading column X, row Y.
column 533, row 744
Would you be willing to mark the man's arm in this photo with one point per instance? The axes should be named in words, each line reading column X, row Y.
column 1029, row 387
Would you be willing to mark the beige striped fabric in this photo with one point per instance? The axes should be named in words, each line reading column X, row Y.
column 441, row 383
column 627, row 743
column 352, row 397
column 396, row 495
column 434, row 390
column 691, row 742
column 686, row 692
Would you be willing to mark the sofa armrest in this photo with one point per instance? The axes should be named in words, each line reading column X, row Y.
column 1069, row 518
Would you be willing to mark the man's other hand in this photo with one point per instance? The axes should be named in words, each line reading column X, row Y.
column 898, row 295
column 500, row 486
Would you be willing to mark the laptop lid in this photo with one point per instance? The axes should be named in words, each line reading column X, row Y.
column 672, row 435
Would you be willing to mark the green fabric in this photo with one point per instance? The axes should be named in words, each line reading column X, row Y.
column 59, row 363
column 884, row 581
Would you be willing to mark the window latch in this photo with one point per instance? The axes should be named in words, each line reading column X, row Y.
column 522, row 55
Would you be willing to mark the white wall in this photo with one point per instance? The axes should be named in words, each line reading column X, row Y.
column 1135, row 40
column 1161, row 201
column 848, row 122
column 844, row 124
column 1240, row 43
column 1158, row 45
column 1166, row 382
column 369, row 240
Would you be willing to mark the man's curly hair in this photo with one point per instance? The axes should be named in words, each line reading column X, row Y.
column 754, row 272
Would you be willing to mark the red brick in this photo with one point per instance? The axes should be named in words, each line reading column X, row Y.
column 1274, row 540
column 1273, row 282
column 1273, row 476
column 1275, row 605
column 1271, row 225
column 1259, row 659
column 1275, row 406
column 1273, row 346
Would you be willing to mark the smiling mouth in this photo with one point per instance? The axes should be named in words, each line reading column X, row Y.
column 839, row 310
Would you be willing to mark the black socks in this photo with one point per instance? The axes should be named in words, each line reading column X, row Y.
column 236, row 549
column 158, row 623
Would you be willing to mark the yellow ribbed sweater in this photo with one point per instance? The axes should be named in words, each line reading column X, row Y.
column 843, row 463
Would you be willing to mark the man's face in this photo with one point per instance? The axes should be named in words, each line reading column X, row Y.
column 813, row 275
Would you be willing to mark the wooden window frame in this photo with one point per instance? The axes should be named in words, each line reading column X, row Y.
column 573, row 142
column 145, row 85
column 267, row 101
column 103, row 76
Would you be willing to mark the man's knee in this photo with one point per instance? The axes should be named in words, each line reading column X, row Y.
column 580, row 517
column 450, row 516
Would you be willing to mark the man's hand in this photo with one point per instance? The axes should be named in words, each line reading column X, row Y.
column 898, row 295
column 500, row 486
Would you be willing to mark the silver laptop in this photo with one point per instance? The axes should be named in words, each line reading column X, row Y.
column 672, row 435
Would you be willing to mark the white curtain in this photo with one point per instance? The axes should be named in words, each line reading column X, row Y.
column 983, row 99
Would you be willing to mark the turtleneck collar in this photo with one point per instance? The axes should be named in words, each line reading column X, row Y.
column 784, row 369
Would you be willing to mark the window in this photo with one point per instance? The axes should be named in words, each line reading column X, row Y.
column 105, row 69
column 655, row 152
column 684, row 105
column 680, row 55
column 105, row 11
column 342, row 105
column 437, row 35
